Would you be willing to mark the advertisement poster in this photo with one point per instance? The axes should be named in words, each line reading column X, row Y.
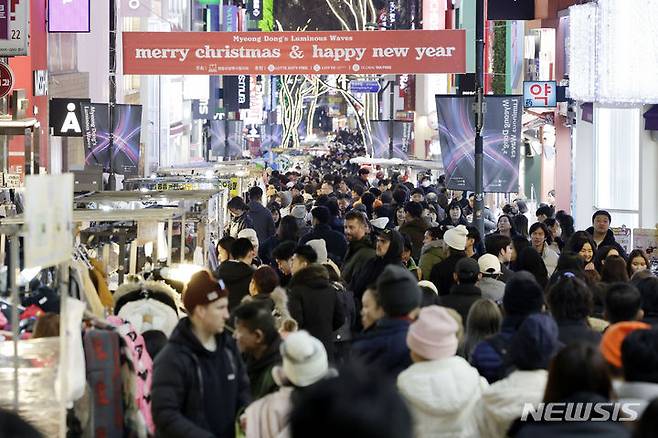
column 502, row 142
column 403, row 137
column 124, row 156
column 316, row 53
column 624, row 238
column 69, row 16
column 646, row 239
column 218, row 138
column 65, row 116
column 14, row 27
column 48, row 219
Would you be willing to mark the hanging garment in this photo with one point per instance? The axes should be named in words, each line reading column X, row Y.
column 99, row 278
column 148, row 305
column 136, row 347
column 104, row 378
column 91, row 297
column 76, row 382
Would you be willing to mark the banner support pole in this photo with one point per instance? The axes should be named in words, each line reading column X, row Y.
column 478, row 216
column 113, row 88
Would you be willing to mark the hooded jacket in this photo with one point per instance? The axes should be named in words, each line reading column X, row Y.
column 432, row 254
column 358, row 254
column 415, row 229
column 442, row 395
column 490, row 357
column 314, row 304
column 189, row 381
column 385, row 346
column 236, row 276
column 503, row 401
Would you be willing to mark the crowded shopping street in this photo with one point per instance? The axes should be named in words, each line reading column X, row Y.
column 328, row 218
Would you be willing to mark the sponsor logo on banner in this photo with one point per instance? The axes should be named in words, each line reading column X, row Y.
column 315, row 53
column 40, row 82
column 69, row 16
column 66, row 117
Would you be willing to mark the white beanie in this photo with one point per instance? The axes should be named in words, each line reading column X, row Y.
column 304, row 359
column 320, row 248
column 456, row 237
column 249, row 233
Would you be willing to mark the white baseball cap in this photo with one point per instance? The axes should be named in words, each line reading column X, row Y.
column 489, row 264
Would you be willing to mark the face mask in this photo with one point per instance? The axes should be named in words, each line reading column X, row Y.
column 425, row 183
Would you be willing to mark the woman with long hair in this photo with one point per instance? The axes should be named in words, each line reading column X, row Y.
column 582, row 243
column 505, row 226
column 530, row 260
column 637, row 261
column 484, row 319
column 614, row 270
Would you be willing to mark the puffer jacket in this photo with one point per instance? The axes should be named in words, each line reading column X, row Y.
column 384, row 346
column 442, row 395
column 503, row 402
column 315, row 305
column 177, row 393
column 236, row 276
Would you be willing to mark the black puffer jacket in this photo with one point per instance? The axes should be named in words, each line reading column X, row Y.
column 184, row 372
column 314, row 304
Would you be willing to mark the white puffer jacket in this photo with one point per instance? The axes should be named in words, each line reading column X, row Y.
column 502, row 402
column 442, row 396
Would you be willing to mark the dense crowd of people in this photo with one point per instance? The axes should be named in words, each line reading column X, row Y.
column 351, row 303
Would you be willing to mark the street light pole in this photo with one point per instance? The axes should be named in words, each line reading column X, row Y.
column 391, row 123
column 480, row 109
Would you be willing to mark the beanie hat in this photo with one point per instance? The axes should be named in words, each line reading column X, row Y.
column 304, row 359
column 535, row 343
column 298, row 211
column 201, row 290
column 320, row 248
column 489, row 264
column 467, row 270
column 613, row 338
column 398, row 291
column 433, row 335
column 321, row 214
column 523, row 295
column 250, row 234
column 456, row 237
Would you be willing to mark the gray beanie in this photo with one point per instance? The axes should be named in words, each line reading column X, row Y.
column 398, row 290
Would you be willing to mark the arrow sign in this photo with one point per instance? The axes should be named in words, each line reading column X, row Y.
column 365, row 87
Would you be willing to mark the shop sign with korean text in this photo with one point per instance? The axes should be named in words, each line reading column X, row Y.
column 14, row 27
column 291, row 53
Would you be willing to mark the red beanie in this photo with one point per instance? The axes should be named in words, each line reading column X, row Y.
column 202, row 289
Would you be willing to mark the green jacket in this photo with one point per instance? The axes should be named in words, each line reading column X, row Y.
column 358, row 253
column 435, row 254
column 260, row 371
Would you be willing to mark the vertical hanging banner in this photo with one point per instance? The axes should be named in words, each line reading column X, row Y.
column 403, row 137
column 314, row 53
column 69, row 16
column 511, row 10
column 502, row 141
column 124, row 156
column 14, row 27
column 255, row 9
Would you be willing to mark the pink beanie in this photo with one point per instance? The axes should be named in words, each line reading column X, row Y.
column 434, row 334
